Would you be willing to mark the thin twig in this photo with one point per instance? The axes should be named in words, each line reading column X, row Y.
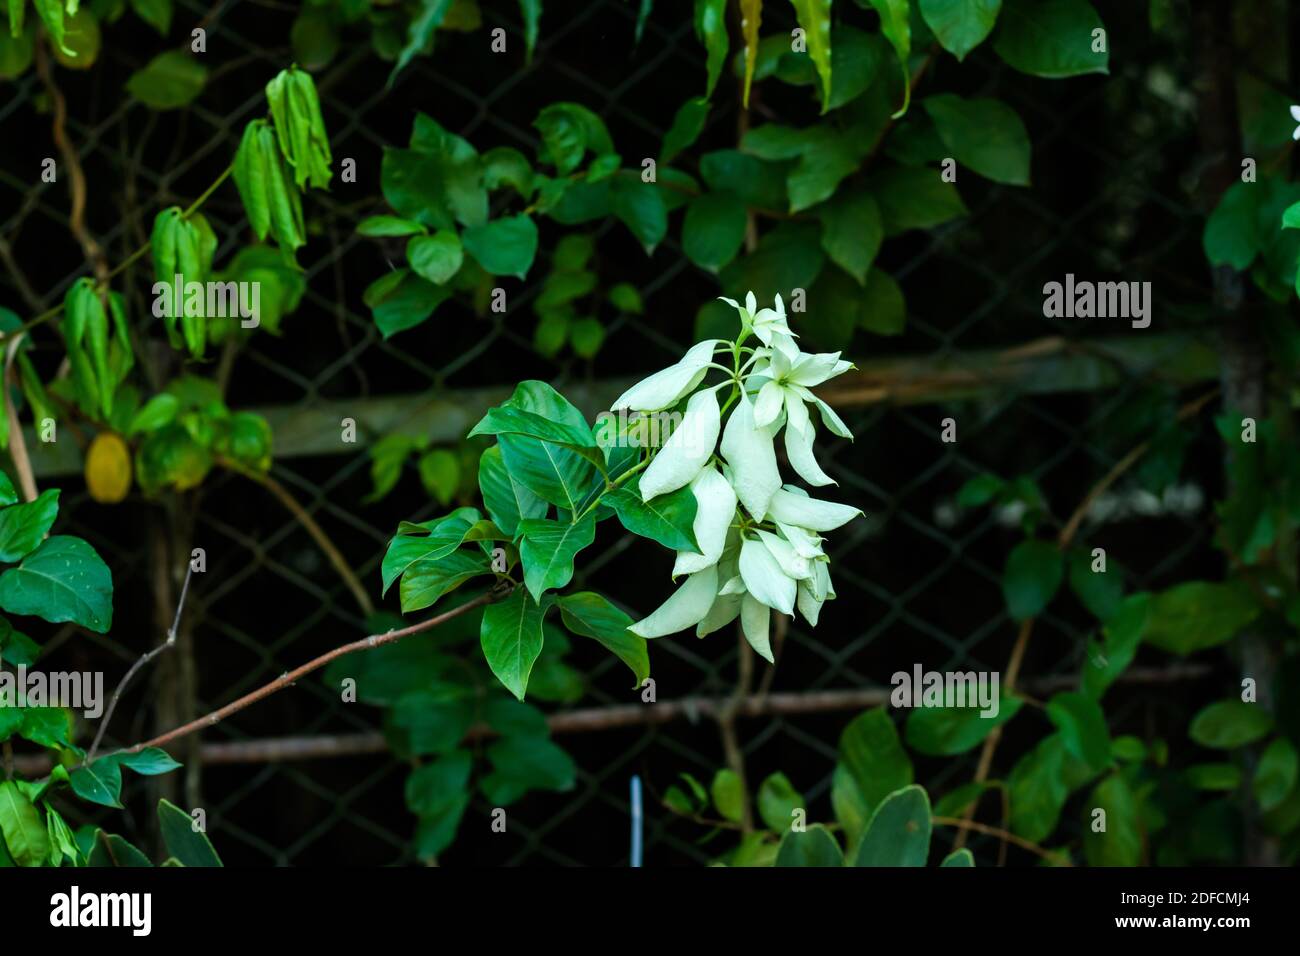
column 1005, row 836
column 315, row 530
column 316, row 663
column 144, row 659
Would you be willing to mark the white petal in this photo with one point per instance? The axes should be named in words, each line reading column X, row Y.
column 754, row 620
column 723, row 612
column 812, row 370
column 811, row 513
column 715, row 507
column 792, row 563
column 751, row 303
column 749, row 452
column 768, row 404
column 799, row 444
column 687, row 449
column 810, row 606
column 829, row 418
column 764, row 577
column 1295, row 113
column 687, row 606
column 804, row 542
column 667, row 386
column 734, row 585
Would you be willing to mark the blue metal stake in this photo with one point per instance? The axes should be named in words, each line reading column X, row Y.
column 636, row 820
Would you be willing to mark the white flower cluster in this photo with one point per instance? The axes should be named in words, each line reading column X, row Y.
column 759, row 539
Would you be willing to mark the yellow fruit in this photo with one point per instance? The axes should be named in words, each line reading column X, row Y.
column 108, row 468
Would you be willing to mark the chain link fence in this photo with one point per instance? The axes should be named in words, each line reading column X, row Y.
column 918, row 580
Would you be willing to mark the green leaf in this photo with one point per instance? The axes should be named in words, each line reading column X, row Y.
column 894, row 24
column 548, row 549
column 526, row 763
column 874, row 757
column 899, row 831
column 1032, row 577
column 419, row 33
column 852, row 231
column 668, row 519
column 438, row 793
column 777, row 802
column 20, row 823
column 511, row 636
column 62, row 580
column 168, row 81
column 424, row 582
column 1227, row 724
column 590, row 615
column 962, row 857
column 568, row 131
column 1121, row 636
column 960, row 25
column 945, row 731
column 984, row 134
column 531, row 11
column 1052, row 38
column 189, row 845
column 99, row 782
column 751, row 18
column 688, row 123
column 440, row 473
column 1101, row 592
column 814, row 17
column 1082, row 726
column 912, row 197
column 552, row 472
column 8, row 495
column 23, row 527
column 51, row 13
column 640, row 207
column 158, row 411
column 503, row 246
column 389, row 226
column 883, row 310
column 149, row 762
column 437, row 257
column 1223, row 777
column 1196, row 615
column 1038, row 786
column 401, row 300
column 711, row 30
column 1276, row 774
column 514, row 419
column 714, row 229
column 728, row 794
column 1120, row 844
column 815, row 846
column 505, row 499
column 788, row 257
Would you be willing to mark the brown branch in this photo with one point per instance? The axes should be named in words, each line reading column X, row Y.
column 76, row 176
column 312, row 527
column 1005, row 836
column 594, row 719
column 316, row 663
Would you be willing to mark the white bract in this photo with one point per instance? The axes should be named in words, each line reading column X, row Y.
column 760, row 547
column 1295, row 115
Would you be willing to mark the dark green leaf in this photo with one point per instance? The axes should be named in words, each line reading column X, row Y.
column 899, row 831
column 62, row 580
column 511, row 637
column 1032, row 577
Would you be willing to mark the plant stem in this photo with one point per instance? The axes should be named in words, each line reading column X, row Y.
column 316, row 663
